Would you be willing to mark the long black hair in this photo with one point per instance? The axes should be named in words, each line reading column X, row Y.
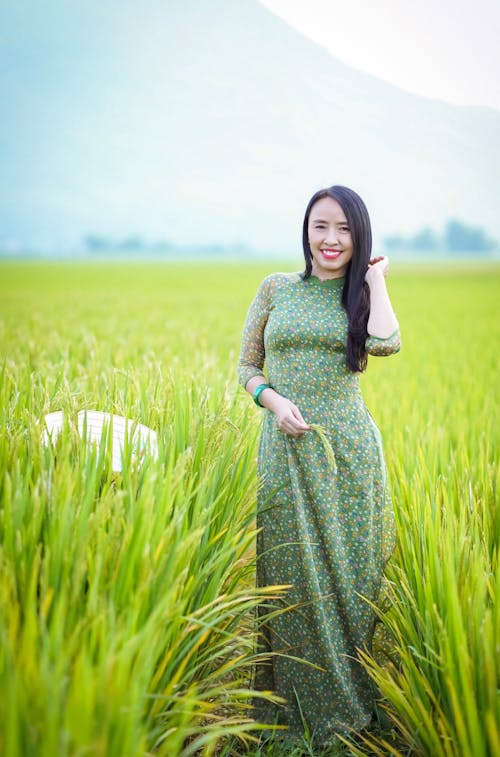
column 355, row 293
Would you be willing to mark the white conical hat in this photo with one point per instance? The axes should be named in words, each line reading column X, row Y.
column 141, row 439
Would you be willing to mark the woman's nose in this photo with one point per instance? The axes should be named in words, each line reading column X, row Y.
column 331, row 236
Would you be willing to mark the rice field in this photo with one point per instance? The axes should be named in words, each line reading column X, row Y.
column 127, row 598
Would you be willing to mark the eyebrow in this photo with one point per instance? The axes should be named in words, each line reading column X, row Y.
column 322, row 220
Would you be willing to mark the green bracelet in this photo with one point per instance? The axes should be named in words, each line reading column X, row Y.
column 258, row 392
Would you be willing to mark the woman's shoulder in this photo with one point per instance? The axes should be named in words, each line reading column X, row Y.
column 276, row 281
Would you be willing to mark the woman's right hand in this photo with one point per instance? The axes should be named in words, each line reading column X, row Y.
column 288, row 416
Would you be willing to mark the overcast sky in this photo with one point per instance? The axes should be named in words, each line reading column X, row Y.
column 103, row 133
column 446, row 49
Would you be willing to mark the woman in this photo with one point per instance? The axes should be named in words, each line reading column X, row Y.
column 325, row 530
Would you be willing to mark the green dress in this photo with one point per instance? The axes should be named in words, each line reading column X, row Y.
column 326, row 532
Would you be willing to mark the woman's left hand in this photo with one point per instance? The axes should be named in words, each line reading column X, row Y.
column 377, row 266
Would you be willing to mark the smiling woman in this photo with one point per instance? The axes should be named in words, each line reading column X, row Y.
column 330, row 239
column 325, row 529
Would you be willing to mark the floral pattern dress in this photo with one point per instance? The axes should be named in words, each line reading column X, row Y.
column 326, row 531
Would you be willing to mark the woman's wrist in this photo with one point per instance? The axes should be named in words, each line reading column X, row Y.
column 258, row 391
column 268, row 397
column 261, row 392
column 374, row 276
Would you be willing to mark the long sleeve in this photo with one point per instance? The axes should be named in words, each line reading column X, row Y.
column 389, row 346
column 252, row 354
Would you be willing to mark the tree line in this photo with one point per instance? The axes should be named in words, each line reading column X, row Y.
column 456, row 237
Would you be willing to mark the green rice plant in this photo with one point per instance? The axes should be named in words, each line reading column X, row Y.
column 127, row 604
column 443, row 692
column 440, row 682
column 127, row 600
column 330, row 455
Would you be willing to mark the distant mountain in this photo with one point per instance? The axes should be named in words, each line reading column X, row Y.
column 214, row 121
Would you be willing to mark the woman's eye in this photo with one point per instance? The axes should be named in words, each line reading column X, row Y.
column 345, row 229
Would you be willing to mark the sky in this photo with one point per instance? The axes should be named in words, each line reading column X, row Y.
column 444, row 49
column 124, row 114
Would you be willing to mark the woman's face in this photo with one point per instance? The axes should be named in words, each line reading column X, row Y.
column 330, row 239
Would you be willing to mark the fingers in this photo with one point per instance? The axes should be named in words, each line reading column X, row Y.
column 378, row 259
column 380, row 263
column 288, row 418
column 298, row 415
column 292, row 422
column 290, row 429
